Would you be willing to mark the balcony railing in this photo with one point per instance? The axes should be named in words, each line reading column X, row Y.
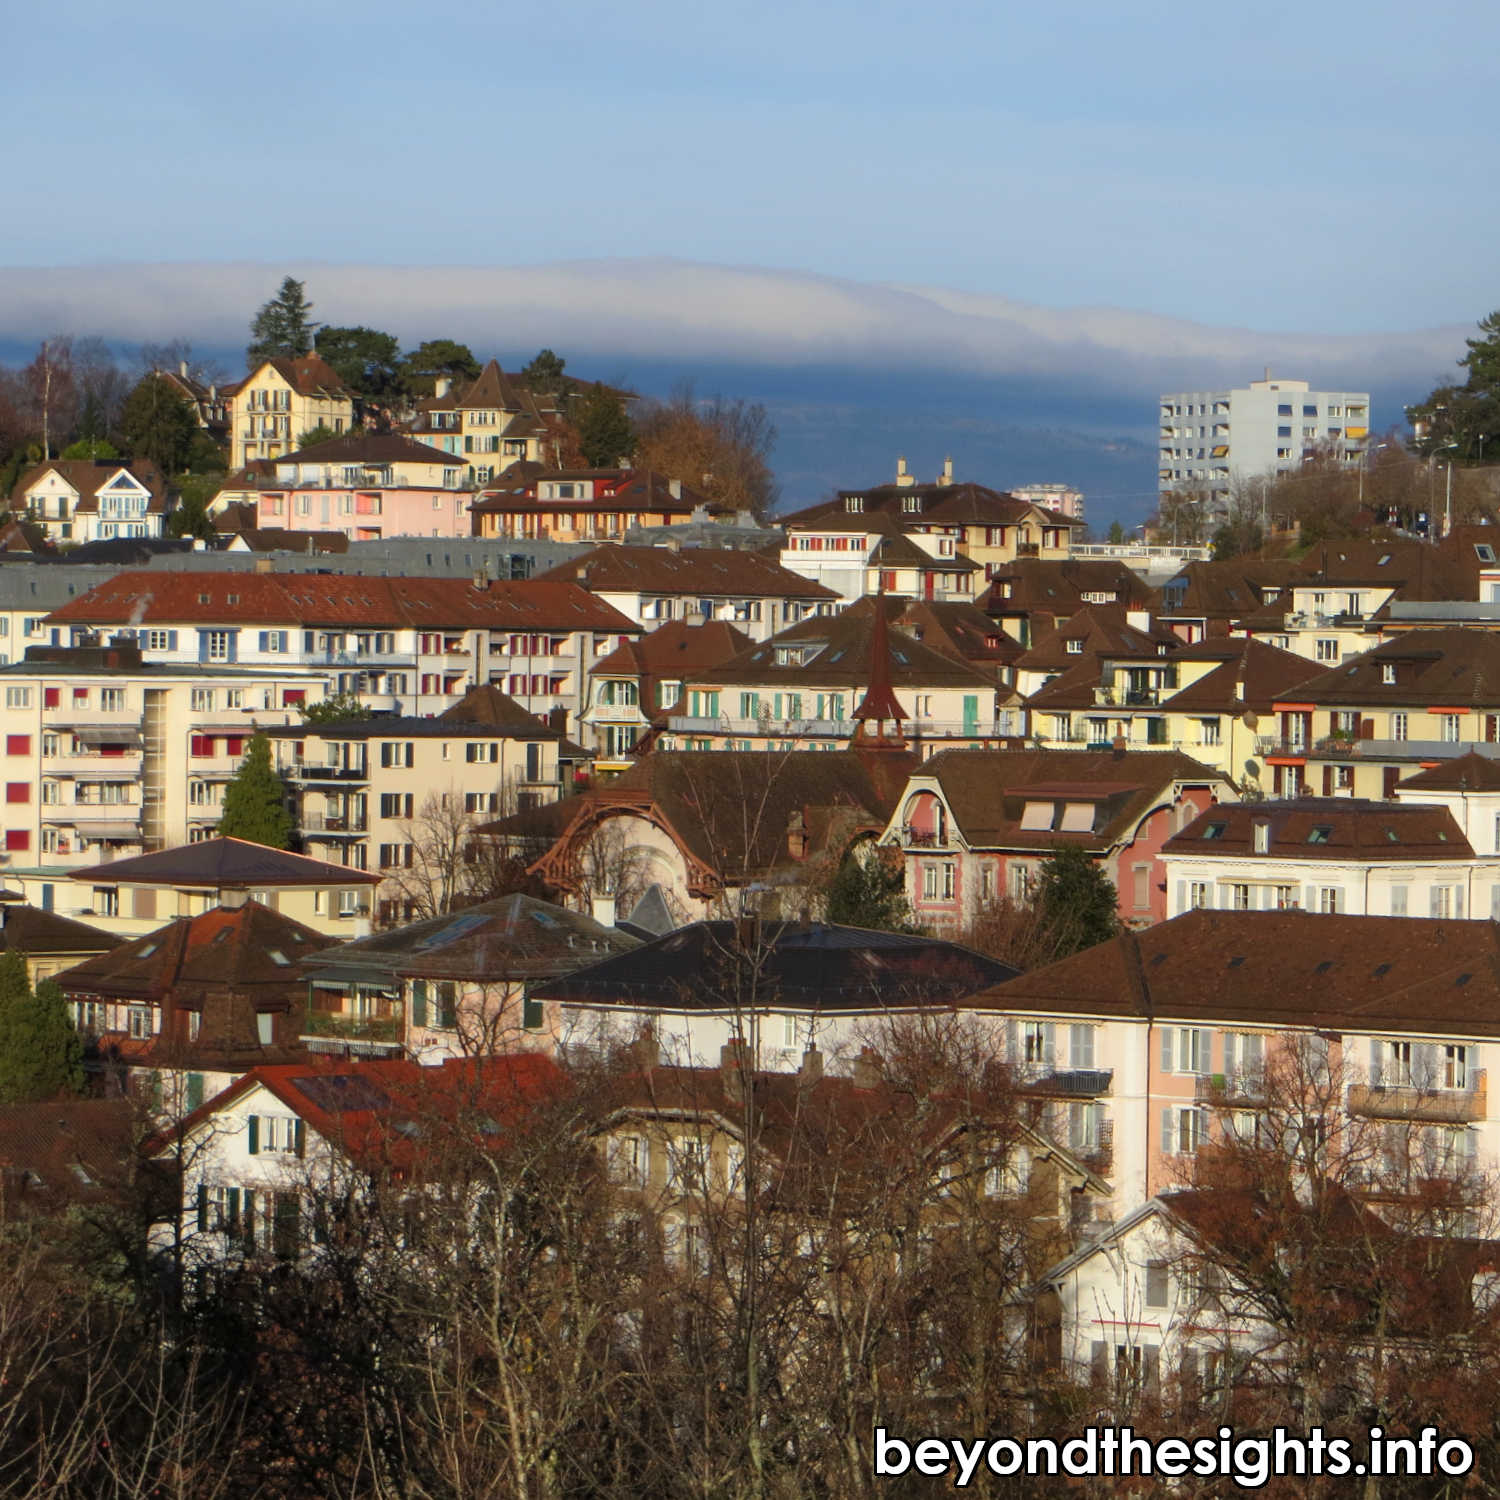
column 302, row 771
column 322, row 1023
column 1067, row 1083
column 1408, row 1102
column 320, row 823
column 921, row 838
column 1244, row 1089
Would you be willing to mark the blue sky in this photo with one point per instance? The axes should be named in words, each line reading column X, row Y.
column 1278, row 166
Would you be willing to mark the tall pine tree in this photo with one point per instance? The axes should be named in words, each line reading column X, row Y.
column 284, row 326
column 255, row 801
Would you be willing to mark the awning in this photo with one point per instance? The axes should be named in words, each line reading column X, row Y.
column 106, row 734
column 1221, row 450
column 95, row 831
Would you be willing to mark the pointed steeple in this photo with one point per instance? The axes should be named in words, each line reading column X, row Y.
column 880, row 706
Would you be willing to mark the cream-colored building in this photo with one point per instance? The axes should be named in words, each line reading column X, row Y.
column 490, row 424
column 87, row 500
column 279, row 401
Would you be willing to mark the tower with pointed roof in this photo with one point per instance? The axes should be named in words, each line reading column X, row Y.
column 879, row 707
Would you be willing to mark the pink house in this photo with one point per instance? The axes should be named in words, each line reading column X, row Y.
column 974, row 826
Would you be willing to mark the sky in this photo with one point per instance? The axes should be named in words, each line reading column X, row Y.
column 1104, row 194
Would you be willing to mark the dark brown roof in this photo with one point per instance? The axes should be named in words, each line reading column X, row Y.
column 673, row 649
column 374, row 448
column 1057, row 586
column 492, row 387
column 91, row 475
column 488, row 706
column 1432, row 668
column 1224, row 591
column 1252, row 677
column 1275, row 968
column 29, row 929
column 307, row 374
column 66, row 1151
column 707, row 572
column 840, row 648
column 1464, row 773
column 1322, row 828
column 248, row 949
column 955, row 627
column 715, row 966
column 1104, row 630
column 516, row 937
column 614, row 490
column 987, row 790
column 950, row 504
column 223, row 864
column 282, row 539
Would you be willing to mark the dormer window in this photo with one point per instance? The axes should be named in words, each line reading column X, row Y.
column 1320, row 834
column 854, row 504
column 1214, row 830
column 1075, row 648
column 911, row 503
column 1388, row 673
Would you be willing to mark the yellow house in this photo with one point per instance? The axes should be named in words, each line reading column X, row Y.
column 279, row 401
column 1419, row 699
column 491, row 424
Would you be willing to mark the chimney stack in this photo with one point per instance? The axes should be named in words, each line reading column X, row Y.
column 732, row 1068
column 645, row 1049
column 441, row 386
column 811, row 1069
column 946, row 477
column 557, row 719
column 674, row 488
column 904, row 477
column 182, row 368
column 602, row 909
column 868, row 1069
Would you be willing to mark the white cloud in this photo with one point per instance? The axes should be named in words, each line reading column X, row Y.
column 663, row 309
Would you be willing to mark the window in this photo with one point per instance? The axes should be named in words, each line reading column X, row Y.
column 630, row 1160
column 1398, row 726
column 274, row 1135
column 1237, row 897
column 1455, row 1063
column 1330, row 900
column 1388, row 673
column 216, row 645
column 202, row 700
column 1244, row 1059
column 1197, row 895
column 1448, row 727
column 1081, row 1045
column 1208, row 732
column 396, row 804
column 18, row 697
column 1327, row 649
column 1183, row 1130
column 1447, row 901
column 138, row 1022
column 1286, row 897
column 1398, row 900
column 1186, row 1049
column 1156, row 1283
column 396, row 755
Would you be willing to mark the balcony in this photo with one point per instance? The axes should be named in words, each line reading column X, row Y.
column 320, row 823
column 94, row 767
column 1407, row 1102
column 1240, row 1090
column 1274, row 744
column 1067, row 1083
column 334, row 1025
column 304, row 771
column 87, row 815
column 918, row 838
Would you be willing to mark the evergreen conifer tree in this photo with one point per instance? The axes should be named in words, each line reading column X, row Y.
column 255, row 801
column 284, row 327
column 41, row 1052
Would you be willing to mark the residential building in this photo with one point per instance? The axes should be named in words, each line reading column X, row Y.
column 76, row 1154
column 1331, row 854
column 1184, row 1023
column 973, row 827
column 394, row 795
column 947, row 520
column 404, row 645
column 651, row 585
column 77, row 500
column 643, row 679
column 278, row 402
column 189, row 1007
column 779, row 988
column 1212, row 700
column 47, row 940
column 1060, row 499
column 492, row 423
column 801, row 689
column 718, row 831
column 1029, row 598
column 1209, row 599
column 364, row 485
column 1212, row 440
column 1468, row 785
column 132, row 896
column 1422, row 697
column 210, row 404
column 1088, row 635
column 461, row 984
column 587, row 505
column 858, row 555
column 258, row 1161
column 106, row 754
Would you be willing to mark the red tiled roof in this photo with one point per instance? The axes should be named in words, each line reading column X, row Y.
column 701, row 571
column 143, row 597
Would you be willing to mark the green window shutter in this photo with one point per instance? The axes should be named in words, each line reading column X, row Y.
column 202, row 1208
column 419, row 1002
column 194, row 1090
column 249, row 1220
column 534, row 1014
column 232, row 1198
column 299, row 1138
column 254, row 1135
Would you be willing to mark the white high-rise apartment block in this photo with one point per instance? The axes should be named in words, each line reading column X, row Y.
column 1210, row 440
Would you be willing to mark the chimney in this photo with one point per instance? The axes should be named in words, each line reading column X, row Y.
column 674, row 488
column 946, row 477
column 1118, row 746
column 182, row 368
column 810, row 1070
column 673, row 544
column 796, row 834
column 732, row 1068
column 645, row 1049
column 441, row 386
column 557, row 719
column 904, row 477
column 602, row 909
column 868, row 1069
column 1138, row 619
column 481, row 578
column 264, row 565
column 695, row 619
column 232, row 900
column 747, row 932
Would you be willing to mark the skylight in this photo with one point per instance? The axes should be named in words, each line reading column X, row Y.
column 1381, row 970
column 1320, row 834
column 277, row 957
column 1324, row 967
column 1215, row 830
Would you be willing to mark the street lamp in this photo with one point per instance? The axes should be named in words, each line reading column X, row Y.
column 1448, row 497
column 1364, row 459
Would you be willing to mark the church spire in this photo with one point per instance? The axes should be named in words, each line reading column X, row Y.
column 880, row 706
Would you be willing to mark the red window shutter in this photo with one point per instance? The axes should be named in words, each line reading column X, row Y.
column 201, row 744
column 294, row 695
column 18, row 791
column 18, row 744
column 235, row 744
column 80, row 695
column 51, row 697
column 18, row 839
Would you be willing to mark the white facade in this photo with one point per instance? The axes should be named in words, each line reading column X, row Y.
column 1213, row 439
